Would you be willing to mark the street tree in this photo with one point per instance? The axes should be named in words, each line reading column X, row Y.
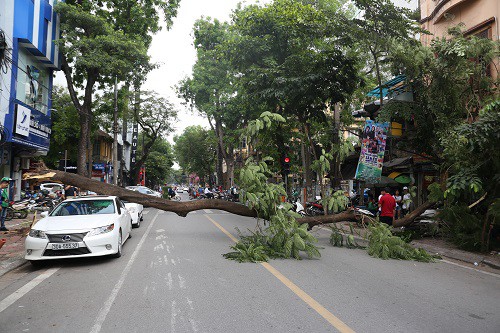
column 295, row 60
column 196, row 150
column 92, row 53
column 65, row 128
column 381, row 23
column 155, row 116
column 213, row 91
column 159, row 162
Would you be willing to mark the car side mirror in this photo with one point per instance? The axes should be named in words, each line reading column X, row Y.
column 44, row 214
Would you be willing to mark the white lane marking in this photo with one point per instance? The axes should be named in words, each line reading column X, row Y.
column 208, row 211
column 170, row 281
column 160, row 230
column 182, row 282
column 471, row 268
column 9, row 300
column 103, row 312
column 145, row 212
column 173, row 317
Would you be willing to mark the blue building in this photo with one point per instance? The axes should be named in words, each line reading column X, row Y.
column 28, row 31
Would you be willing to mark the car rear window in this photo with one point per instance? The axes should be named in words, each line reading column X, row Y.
column 84, row 207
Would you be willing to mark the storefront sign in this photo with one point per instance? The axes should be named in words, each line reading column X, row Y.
column 371, row 158
column 99, row 166
column 37, row 133
column 135, row 139
column 23, row 120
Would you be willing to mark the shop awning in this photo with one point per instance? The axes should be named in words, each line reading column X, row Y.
column 384, row 181
column 400, row 178
column 394, row 86
column 397, row 161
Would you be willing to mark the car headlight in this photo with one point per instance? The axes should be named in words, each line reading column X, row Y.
column 37, row 234
column 101, row 230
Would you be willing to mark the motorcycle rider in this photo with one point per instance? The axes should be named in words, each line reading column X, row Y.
column 4, row 188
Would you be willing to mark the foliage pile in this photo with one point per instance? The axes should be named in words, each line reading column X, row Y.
column 284, row 237
column 383, row 244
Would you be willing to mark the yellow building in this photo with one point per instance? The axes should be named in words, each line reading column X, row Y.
column 479, row 18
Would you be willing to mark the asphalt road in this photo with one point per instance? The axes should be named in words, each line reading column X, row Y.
column 172, row 278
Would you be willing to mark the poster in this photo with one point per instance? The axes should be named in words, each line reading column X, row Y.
column 371, row 158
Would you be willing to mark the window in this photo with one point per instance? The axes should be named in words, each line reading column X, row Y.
column 84, row 207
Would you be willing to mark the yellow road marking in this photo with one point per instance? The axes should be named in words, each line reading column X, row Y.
column 321, row 310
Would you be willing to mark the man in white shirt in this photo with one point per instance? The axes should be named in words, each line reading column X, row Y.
column 208, row 193
column 406, row 200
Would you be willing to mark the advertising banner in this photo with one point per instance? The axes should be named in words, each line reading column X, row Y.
column 371, row 158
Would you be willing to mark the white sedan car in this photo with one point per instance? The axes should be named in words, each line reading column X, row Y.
column 144, row 190
column 135, row 211
column 82, row 227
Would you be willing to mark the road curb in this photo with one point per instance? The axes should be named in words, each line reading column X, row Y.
column 11, row 264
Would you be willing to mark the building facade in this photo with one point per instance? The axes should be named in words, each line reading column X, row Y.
column 478, row 17
column 30, row 29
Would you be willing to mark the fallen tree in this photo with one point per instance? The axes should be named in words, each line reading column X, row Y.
column 183, row 208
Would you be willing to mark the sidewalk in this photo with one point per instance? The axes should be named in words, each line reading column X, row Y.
column 12, row 253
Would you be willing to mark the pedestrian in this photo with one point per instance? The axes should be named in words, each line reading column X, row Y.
column 399, row 202
column 70, row 192
column 372, row 207
column 406, row 200
column 4, row 195
column 171, row 192
column 387, row 206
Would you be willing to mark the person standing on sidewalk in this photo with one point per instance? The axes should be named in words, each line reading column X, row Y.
column 387, row 205
column 4, row 194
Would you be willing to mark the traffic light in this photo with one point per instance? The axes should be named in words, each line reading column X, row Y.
column 286, row 165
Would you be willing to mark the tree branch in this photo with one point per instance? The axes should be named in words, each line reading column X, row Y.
column 69, row 80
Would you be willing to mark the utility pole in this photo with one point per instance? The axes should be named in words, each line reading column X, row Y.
column 115, row 136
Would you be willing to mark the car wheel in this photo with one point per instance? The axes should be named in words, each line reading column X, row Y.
column 23, row 214
column 37, row 263
column 9, row 215
column 142, row 218
column 130, row 230
column 118, row 254
column 138, row 224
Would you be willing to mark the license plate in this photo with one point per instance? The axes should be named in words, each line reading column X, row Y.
column 64, row 246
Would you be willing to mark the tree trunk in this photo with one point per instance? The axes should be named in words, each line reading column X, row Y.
column 335, row 167
column 83, row 144
column 183, row 208
column 90, row 145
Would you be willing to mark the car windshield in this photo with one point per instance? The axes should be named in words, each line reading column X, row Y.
column 84, row 207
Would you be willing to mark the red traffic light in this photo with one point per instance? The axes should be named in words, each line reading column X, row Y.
column 287, row 159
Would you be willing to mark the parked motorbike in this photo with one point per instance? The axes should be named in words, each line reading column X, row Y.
column 16, row 210
column 314, row 208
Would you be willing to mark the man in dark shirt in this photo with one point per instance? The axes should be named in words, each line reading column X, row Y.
column 70, row 192
column 387, row 204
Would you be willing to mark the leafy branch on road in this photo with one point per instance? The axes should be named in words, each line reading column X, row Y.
column 285, row 237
